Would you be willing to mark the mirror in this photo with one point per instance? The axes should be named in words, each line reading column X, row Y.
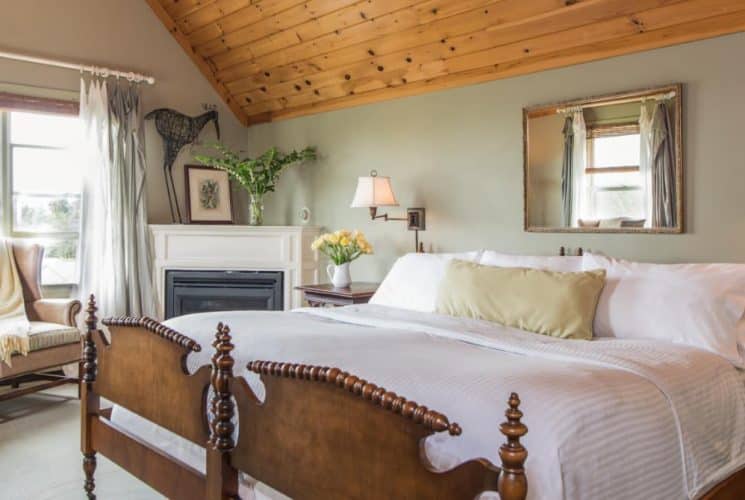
column 605, row 164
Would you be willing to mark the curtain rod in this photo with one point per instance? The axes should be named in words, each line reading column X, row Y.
column 653, row 97
column 96, row 70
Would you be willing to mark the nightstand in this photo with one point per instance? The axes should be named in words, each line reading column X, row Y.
column 326, row 295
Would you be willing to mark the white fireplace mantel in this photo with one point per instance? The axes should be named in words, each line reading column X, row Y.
column 237, row 248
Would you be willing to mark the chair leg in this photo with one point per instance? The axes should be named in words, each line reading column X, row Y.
column 89, row 467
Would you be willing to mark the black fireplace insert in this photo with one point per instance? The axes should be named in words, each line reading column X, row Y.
column 190, row 292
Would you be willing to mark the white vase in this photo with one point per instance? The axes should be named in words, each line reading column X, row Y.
column 339, row 275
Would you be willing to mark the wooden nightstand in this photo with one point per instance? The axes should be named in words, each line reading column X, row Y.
column 326, row 295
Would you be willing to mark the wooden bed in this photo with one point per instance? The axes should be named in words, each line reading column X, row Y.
column 321, row 433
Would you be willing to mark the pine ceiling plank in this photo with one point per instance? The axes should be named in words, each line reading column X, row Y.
column 600, row 32
column 331, row 25
column 364, row 11
column 201, row 64
column 179, row 8
column 415, row 26
column 213, row 12
column 253, row 13
column 233, row 40
column 526, row 28
column 682, row 33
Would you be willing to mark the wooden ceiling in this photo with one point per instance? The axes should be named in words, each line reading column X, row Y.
column 274, row 59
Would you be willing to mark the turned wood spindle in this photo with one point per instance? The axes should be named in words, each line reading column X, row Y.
column 512, row 483
column 89, row 467
column 222, row 406
column 379, row 396
column 89, row 401
column 89, row 346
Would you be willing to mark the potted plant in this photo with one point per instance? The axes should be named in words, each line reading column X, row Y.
column 342, row 247
column 259, row 175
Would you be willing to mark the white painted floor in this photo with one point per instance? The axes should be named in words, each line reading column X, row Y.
column 40, row 453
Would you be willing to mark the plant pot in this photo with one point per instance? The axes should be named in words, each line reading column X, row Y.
column 255, row 209
column 339, row 275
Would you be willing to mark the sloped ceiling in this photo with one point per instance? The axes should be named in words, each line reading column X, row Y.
column 274, row 59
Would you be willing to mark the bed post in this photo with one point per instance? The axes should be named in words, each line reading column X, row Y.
column 89, row 401
column 512, row 483
column 222, row 478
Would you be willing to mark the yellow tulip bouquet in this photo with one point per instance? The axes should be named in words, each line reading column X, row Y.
column 342, row 246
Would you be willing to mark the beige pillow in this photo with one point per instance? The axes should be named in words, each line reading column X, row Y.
column 547, row 302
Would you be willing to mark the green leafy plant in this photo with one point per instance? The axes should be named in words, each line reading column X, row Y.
column 257, row 175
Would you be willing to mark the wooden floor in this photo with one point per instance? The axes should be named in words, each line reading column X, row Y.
column 42, row 432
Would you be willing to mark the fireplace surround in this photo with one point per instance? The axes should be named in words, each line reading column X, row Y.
column 233, row 255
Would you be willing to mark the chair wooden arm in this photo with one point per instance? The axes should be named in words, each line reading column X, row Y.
column 60, row 311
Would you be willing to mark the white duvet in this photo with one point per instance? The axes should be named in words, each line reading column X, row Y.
column 609, row 419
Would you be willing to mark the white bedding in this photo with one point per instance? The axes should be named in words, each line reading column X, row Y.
column 607, row 418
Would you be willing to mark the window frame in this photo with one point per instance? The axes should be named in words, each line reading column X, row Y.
column 612, row 130
column 18, row 103
column 609, row 130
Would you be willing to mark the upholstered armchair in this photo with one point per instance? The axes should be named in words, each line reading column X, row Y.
column 54, row 337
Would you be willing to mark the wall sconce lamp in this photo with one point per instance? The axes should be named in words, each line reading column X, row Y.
column 376, row 191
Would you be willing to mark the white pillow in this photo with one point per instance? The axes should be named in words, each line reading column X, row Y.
column 702, row 305
column 413, row 281
column 568, row 264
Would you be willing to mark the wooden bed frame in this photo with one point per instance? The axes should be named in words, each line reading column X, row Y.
column 321, row 433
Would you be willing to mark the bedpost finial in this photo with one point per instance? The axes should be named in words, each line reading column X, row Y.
column 222, row 406
column 512, row 483
column 89, row 365
column 91, row 321
column 562, row 251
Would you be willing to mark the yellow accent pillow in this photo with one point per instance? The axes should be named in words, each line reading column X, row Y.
column 547, row 302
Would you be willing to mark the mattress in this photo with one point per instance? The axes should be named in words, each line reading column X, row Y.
column 607, row 418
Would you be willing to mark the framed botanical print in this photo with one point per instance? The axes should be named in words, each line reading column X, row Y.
column 208, row 195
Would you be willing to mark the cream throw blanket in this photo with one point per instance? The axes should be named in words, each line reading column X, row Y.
column 14, row 325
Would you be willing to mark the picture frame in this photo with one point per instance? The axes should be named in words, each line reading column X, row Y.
column 209, row 198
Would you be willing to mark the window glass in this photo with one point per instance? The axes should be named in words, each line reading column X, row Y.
column 60, row 263
column 39, row 213
column 48, row 171
column 618, row 203
column 38, row 129
column 45, row 191
column 615, row 150
column 616, row 179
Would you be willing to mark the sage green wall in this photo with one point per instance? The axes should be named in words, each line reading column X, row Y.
column 459, row 154
column 122, row 34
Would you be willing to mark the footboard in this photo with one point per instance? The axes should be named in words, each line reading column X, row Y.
column 323, row 433
column 143, row 369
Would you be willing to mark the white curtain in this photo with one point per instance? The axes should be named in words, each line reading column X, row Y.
column 115, row 249
column 579, row 162
column 645, row 162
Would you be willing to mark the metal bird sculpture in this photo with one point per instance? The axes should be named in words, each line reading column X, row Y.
column 177, row 131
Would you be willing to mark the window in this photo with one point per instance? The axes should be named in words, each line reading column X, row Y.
column 41, row 187
column 615, row 183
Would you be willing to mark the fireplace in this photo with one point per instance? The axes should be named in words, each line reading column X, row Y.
column 188, row 292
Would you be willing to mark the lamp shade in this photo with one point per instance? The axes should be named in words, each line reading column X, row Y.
column 374, row 191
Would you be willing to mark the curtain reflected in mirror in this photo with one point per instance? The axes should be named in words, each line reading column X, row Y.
column 606, row 164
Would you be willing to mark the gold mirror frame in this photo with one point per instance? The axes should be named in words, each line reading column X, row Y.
column 544, row 109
